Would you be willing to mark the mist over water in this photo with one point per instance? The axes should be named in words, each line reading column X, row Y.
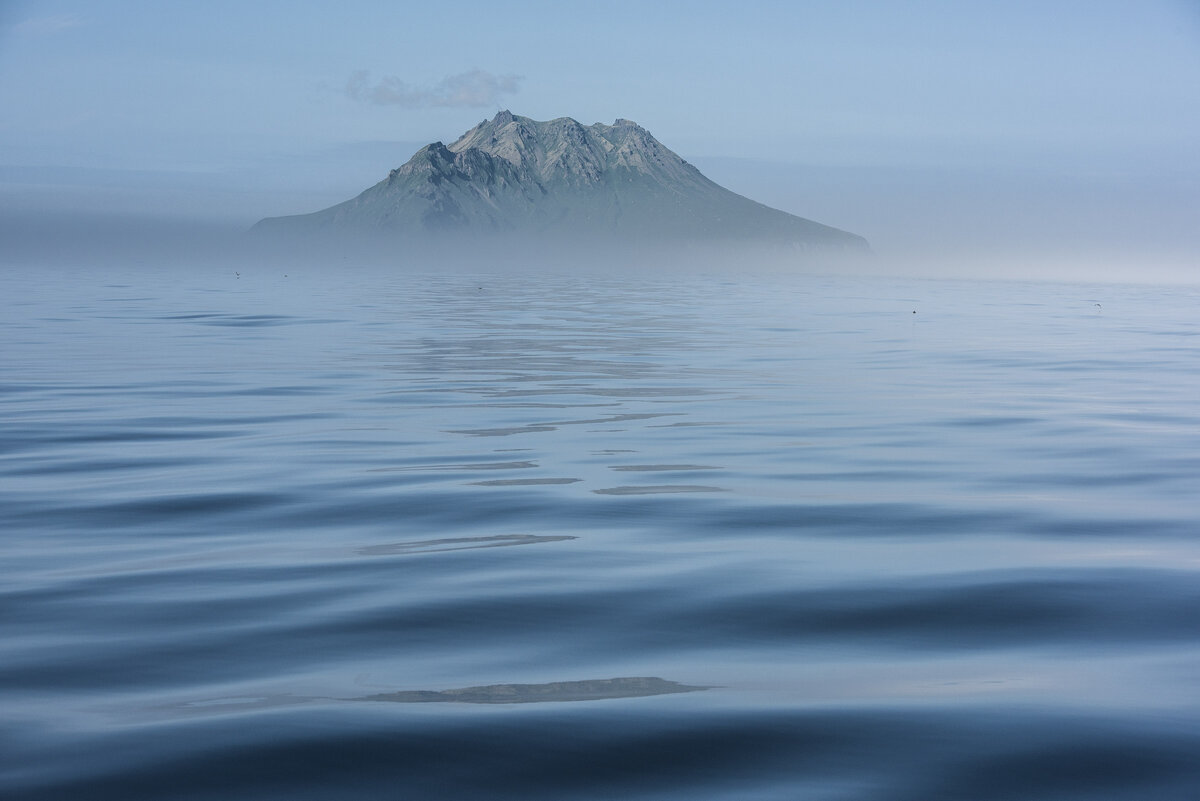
column 706, row 528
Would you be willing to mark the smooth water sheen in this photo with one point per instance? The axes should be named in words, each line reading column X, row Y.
column 351, row 535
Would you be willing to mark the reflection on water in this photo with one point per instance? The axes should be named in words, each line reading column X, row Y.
column 548, row 692
column 420, row 468
column 951, row 555
column 656, row 489
column 555, row 691
column 524, row 482
column 457, row 544
column 529, row 429
column 648, row 468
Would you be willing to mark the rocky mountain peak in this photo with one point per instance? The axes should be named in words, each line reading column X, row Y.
column 558, row 177
column 563, row 150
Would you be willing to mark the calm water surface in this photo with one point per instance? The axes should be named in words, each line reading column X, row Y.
column 343, row 534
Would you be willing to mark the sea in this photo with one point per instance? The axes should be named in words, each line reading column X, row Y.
column 274, row 531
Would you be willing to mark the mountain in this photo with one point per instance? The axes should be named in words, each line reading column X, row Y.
column 514, row 175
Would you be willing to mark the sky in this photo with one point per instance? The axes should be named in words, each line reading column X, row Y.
column 977, row 133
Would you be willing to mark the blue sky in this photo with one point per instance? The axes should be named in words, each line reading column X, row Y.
column 1053, row 125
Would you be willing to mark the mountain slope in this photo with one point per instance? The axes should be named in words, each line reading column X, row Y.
column 558, row 178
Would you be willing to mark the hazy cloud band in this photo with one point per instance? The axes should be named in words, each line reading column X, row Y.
column 55, row 23
column 464, row 90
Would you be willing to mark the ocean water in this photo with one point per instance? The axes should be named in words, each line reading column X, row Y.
column 341, row 533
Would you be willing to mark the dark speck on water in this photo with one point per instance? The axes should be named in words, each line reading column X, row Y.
column 668, row 536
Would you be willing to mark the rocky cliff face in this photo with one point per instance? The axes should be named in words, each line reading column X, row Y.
column 559, row 178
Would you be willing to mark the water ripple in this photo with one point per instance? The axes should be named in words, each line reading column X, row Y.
column 253, row 528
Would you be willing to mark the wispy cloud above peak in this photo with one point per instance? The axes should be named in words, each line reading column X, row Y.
column 42, row 26
column 470, row 89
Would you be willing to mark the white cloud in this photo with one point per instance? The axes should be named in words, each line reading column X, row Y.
column 465, row 90
column 43, row 26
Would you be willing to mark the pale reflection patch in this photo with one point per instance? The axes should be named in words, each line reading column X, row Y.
column 457, row 544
